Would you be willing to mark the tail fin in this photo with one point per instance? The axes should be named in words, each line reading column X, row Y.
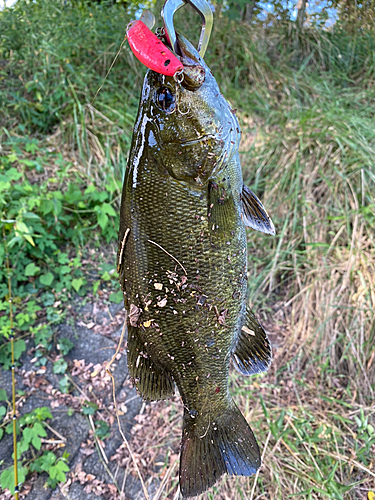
column 228, row 445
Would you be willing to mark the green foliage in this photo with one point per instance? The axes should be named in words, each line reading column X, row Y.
column 64, row 384
column 30, row 429
column 60, row 366
column 48, row 74
column 89, row 408
column 55, row 467
column 102, row 429
column 7, row 477
column 116, row 297
column 65, row 345
column 5, row 352
column 46, row 221
column 307, row 97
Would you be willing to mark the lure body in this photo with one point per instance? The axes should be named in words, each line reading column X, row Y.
column 151, row 51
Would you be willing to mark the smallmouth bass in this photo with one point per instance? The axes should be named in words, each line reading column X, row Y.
column 182, row 262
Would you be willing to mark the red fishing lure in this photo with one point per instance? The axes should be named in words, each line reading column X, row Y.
column 147, row 47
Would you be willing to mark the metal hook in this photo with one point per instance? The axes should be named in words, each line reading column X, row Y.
column 204, row 10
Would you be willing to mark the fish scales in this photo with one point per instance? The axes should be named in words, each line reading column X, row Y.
column 198, row 301
column 183, row 270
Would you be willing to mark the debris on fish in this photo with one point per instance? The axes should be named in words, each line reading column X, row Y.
column 182, row 263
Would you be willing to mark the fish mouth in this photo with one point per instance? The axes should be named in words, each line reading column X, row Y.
column 194, row 73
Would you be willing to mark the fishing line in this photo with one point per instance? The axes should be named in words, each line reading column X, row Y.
column 111, row 66
column 14, row 418
column 116, row 408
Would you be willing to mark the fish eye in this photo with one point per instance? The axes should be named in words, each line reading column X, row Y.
column 166, row 99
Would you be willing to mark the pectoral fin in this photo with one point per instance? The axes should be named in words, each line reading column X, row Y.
column 151, row 380
column 254, row 213
column 252, row 352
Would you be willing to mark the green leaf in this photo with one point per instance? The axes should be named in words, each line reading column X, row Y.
column 42, row 413
column 21, row 229
column 3, row 411
column 7, row 477
column 31, row 147
column 48, row 299
column 106, row 276
column 44, row 462
column 116, row 297
column 65, row 269
column 64, row 385
column 1, row 433
column 47, row 460
column 31, row 435
column 13, row 175
column 95, row 286
column 46, row 207
column 3, row 395
column 60, row 366
column 46, row 279
column 22, row 446
column 65, row 346
column 102, row 219
column 31, row 269
column 101, row 429
column 29, row 239
column 77, row 283
column 19, row 348
column 108, row 209
column 58, row 471
column 89, row 408
column 63, row 258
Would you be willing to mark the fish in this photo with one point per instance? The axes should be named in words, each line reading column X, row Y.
column 182, row 264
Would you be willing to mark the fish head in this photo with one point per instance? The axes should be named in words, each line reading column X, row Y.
column 192, row 132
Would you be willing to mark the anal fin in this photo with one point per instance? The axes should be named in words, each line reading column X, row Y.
column 254, row 213
column 152, row 381
column 252, row 352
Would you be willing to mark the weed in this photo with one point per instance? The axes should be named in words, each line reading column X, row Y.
column 41, row 215
column 32, row 428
